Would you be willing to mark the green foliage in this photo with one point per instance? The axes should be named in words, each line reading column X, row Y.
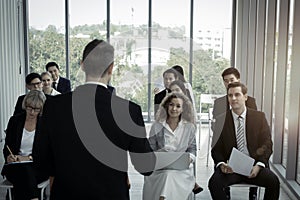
column 49, row 45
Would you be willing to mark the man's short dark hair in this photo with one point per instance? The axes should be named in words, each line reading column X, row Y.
column 32, row 76
column 89, row 47
column 171, row 71
column 238, row 84
column 50, row 64
column 231, row 70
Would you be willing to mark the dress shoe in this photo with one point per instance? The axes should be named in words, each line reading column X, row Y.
column 252, row 197
column 197, row 190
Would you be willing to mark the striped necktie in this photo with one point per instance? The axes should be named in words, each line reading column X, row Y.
column 240, row 135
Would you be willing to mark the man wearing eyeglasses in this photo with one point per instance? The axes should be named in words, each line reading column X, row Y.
column 33, row 82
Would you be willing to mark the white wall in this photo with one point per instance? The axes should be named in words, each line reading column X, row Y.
column 11, row 58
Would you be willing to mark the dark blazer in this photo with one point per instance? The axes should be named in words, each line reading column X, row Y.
column 18, row 106
column 64, row 85
column 158, row 99
column 221, row 106
column 14, row 133
column 258, row 136
column 86, row 136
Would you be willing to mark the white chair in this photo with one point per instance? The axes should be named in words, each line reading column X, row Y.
column 8, row 185
column 207, row 117
column 245, row 185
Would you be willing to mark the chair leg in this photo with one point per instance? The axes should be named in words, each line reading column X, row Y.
column 42, row 193
column 9, row 194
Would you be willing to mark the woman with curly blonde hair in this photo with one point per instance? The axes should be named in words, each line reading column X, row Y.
column 173, row 131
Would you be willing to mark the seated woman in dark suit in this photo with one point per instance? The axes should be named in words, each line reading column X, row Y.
column 19, row 146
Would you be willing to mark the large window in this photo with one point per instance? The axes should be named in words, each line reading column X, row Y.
column 129, row 36
column 86, row 23
column 46, row 34
column 129, row 23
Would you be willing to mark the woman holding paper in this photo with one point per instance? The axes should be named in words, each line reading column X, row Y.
column 19, row 145
column 173, row 131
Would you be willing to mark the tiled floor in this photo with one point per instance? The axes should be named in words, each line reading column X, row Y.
column 203, row 173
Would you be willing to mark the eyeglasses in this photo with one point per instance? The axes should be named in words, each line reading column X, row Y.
column 35, row 84
column 30, row 109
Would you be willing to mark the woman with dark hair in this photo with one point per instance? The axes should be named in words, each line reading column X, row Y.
column 187, row 85
column 19, row 146
column 173, row 131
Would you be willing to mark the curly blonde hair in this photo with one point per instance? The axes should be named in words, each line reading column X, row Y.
column 188, row 113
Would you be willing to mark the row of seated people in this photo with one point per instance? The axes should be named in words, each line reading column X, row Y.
column 174, row 130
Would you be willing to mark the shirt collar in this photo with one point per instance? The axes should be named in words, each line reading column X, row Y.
column 243, row 115
column 57, row 80
column 96, row 83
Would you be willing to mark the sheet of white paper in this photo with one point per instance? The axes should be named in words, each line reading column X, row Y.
column 172, row 160
column 19, row 162
column 240, row 162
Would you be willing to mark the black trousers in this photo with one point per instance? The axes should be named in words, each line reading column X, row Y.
column 265, row 178
column 25, row 179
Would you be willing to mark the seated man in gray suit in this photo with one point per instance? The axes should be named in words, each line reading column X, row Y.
column 221, row 105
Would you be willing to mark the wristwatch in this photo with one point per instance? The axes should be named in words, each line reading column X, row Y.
column 30, row 157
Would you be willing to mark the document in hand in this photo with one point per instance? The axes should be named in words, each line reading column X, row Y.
column 172, row 160
column 240, row 162
column 19, row 162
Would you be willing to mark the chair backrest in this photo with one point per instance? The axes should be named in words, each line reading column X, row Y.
column 208, row 99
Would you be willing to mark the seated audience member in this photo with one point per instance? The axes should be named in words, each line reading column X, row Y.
column 169, row 76
column 61, row 84
column 178, row 86
column 248, row 131
column 33, row 82
column 47, row 84
column 173, row 131
column 221, row 105
column 19, row 148
column 187, row 85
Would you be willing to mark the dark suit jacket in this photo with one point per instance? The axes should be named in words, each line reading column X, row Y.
column 158, row 99
column 14, row 133
column 64, row 85
column 221, row 106
column 18, row 106
column 78, row 129
column 258, row 136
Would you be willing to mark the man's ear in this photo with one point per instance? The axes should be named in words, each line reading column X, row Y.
column 110, row 68
column 28, row 87
column 82, row 66
column 246, row 96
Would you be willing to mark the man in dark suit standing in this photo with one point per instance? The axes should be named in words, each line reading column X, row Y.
column 221, row 105
column 61, row 84
column 86, row 138
column 248, row 131
column 169, row 76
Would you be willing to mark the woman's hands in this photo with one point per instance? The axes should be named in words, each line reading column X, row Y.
column 11, row 158
column 17, row 158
